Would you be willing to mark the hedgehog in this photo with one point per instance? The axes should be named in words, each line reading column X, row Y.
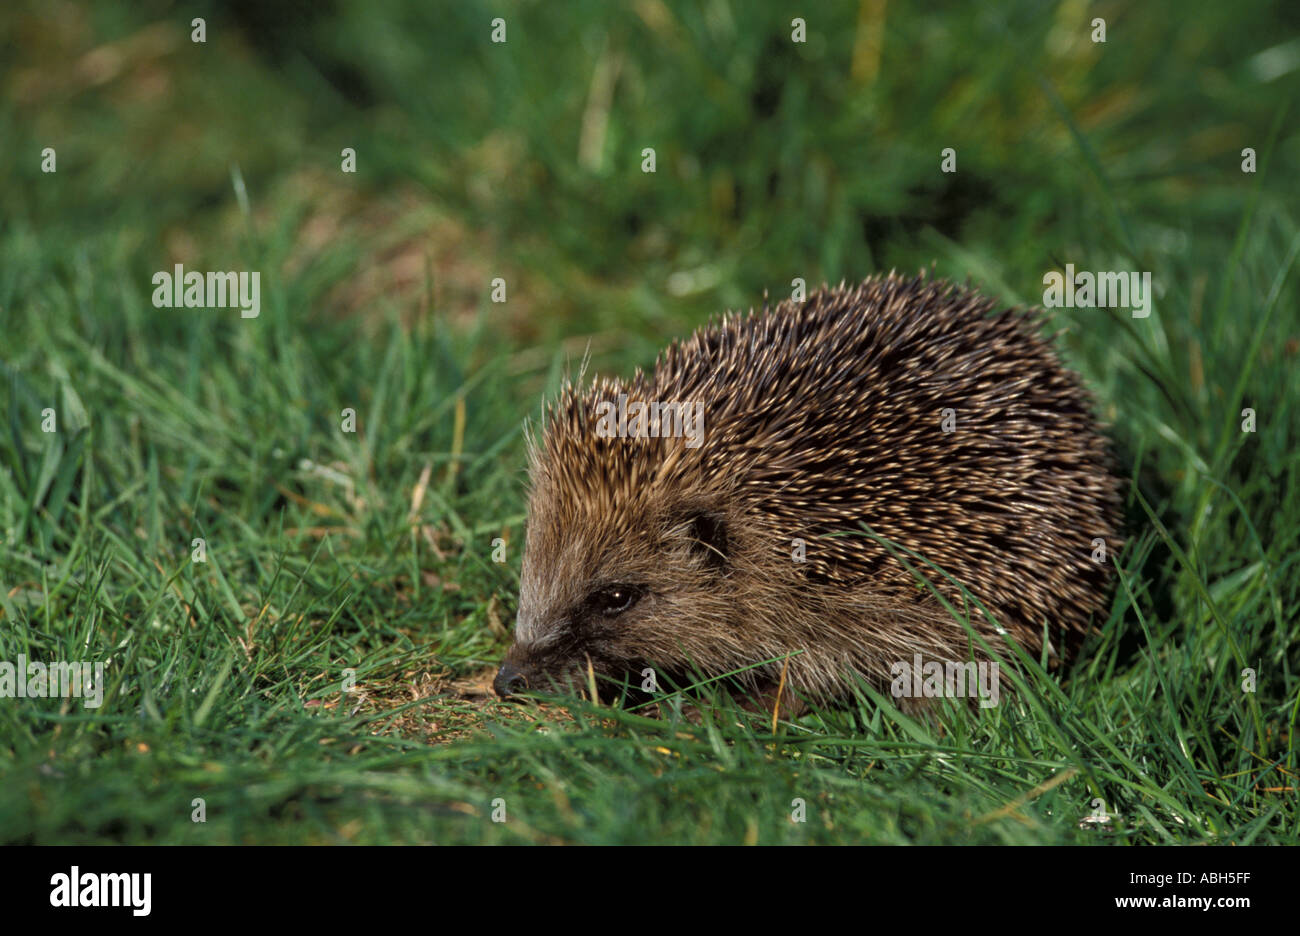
column 801, row 497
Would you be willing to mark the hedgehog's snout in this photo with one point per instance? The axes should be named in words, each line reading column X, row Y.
column 510, row 680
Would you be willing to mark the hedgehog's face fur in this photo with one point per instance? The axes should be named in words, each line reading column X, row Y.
column 617, row 576
column 609, row 602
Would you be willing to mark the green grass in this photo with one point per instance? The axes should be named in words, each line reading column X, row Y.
column 329, row 551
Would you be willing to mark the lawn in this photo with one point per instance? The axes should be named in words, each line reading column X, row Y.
column 277, row 533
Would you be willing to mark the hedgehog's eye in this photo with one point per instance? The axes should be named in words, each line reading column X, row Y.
column 613, row 599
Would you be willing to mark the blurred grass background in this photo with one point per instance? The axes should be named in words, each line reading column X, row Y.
column 522, row 160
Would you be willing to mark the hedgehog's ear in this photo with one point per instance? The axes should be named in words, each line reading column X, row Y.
column 708, row 534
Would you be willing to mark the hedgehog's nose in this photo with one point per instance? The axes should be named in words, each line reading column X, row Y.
column 509, row 681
